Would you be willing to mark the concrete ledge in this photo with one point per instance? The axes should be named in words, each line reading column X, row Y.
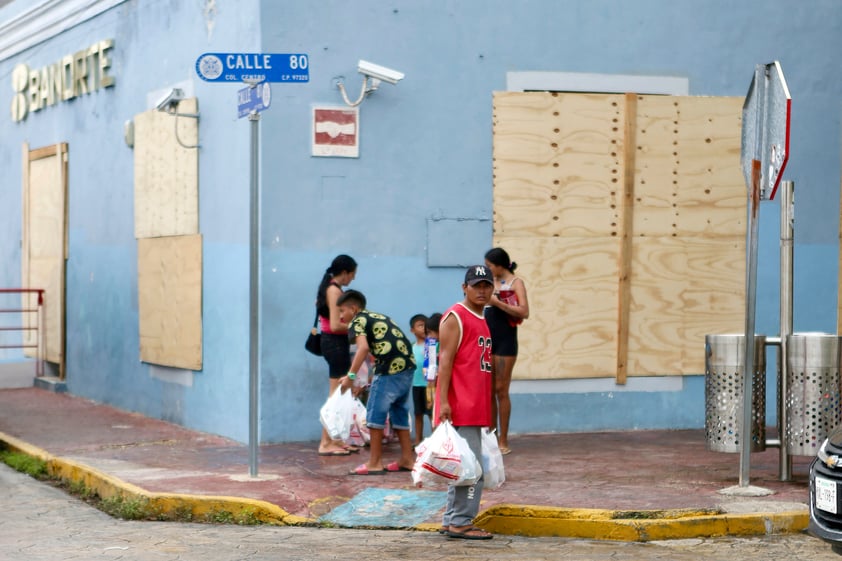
column 50, row 383
column 508, row 519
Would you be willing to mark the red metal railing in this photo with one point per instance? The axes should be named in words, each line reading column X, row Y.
column 37, row 326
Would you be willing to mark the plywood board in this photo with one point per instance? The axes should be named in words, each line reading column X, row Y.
column 572, row 288
column 688, row 179
column 166, row 174
column 45, row 244
column 170, row 300
column 557, row 163
column 683, row 289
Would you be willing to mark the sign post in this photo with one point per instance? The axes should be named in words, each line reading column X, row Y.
column 764, row 154
column 256, row 70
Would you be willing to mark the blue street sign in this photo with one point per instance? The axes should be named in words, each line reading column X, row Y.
column 257, row 67
column 253, row 99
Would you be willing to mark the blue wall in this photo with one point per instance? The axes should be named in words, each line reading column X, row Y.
column 425, row 152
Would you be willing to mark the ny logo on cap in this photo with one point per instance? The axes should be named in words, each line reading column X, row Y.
column 479, row 271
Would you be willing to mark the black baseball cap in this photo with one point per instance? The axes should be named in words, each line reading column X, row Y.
column 477, row 274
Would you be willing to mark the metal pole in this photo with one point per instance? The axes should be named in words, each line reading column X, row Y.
column 787, row 219
column 254, row 118
column 751, row 306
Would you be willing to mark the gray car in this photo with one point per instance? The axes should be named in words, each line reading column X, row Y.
column 826, row 491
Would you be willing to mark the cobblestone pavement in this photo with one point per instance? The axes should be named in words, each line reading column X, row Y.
column 39, row 522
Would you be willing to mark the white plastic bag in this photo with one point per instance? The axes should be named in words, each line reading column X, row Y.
column 359, row 433
column 337, row 414
column 445, row 457
column 492, row 461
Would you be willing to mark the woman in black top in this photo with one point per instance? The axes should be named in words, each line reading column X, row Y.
column 506, row 310
column 336, row 349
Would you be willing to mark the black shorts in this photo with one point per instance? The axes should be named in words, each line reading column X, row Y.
column 337, row 352
column 503, row 335
column 419, row 400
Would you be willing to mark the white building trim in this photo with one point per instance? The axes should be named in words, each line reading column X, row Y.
column 45, row 19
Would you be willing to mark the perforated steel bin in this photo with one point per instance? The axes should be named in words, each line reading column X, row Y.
column 813, row 388
column 724, row 391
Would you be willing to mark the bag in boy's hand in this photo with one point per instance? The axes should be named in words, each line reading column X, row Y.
column 492, row 461
column 337, row 414
column 445, row 457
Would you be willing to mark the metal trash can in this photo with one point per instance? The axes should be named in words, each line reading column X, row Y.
column 813, row 388
column 724, row 393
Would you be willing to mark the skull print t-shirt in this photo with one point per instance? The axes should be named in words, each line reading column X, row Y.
column 392, row 349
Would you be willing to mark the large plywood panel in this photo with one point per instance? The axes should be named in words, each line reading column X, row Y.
column 572, row 287
column 557, row 163
column 684, row 214
column 170, row 300
column 166, row 174
column 45, row 193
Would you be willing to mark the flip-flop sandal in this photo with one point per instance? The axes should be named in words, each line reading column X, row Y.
column 362, row 469
column 472, row 533
column 335, row 453
column 443, row 530
column 395, row 466
column 505, row 450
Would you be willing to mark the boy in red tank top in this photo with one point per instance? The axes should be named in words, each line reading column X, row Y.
column 463, row 391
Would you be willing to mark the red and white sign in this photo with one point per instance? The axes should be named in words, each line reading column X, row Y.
column 336, row 131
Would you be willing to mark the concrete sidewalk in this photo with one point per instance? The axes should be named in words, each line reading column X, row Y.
column 638, row 485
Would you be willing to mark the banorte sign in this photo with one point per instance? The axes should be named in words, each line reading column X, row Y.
column 74, row 75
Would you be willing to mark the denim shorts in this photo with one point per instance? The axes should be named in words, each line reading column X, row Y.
column 389, row 395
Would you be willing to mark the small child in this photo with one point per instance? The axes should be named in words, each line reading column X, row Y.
column 431, row 359
column 417, row 324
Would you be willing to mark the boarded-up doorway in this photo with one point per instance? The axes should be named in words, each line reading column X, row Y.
column 44, row 244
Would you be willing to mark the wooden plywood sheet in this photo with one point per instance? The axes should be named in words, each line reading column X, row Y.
column 572, row 287
column 688, row 179
column 166, row 174
column 170, row 300
column 557, row 163
column 682, row 290
column 44, row 244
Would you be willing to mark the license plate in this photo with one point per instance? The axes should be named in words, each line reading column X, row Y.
column 826, row 495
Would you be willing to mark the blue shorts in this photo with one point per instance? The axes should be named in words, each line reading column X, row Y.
column 389, row 395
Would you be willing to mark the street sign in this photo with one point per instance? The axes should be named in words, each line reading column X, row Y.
column 255, row 99
column 765, row 134
column 253, row 67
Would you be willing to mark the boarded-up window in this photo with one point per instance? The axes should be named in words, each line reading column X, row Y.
column 626, row 216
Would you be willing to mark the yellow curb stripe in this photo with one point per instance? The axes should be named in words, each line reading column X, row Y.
column 107, row 486
column 527, row 520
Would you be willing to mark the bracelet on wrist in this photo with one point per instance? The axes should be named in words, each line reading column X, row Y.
column 352, row 375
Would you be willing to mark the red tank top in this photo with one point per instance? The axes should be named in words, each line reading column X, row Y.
column 470, row 382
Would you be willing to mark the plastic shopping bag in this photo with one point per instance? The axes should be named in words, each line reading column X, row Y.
column 359, row 434
column 337, row 414
column 492, row 461
column 445, row 457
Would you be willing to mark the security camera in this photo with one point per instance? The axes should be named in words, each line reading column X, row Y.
column 170, row 99
column 377, row 72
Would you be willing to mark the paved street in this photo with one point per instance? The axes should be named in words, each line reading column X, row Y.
column 39, row 522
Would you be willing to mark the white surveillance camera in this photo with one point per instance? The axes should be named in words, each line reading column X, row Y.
column 170, row 99
column 377, row 72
